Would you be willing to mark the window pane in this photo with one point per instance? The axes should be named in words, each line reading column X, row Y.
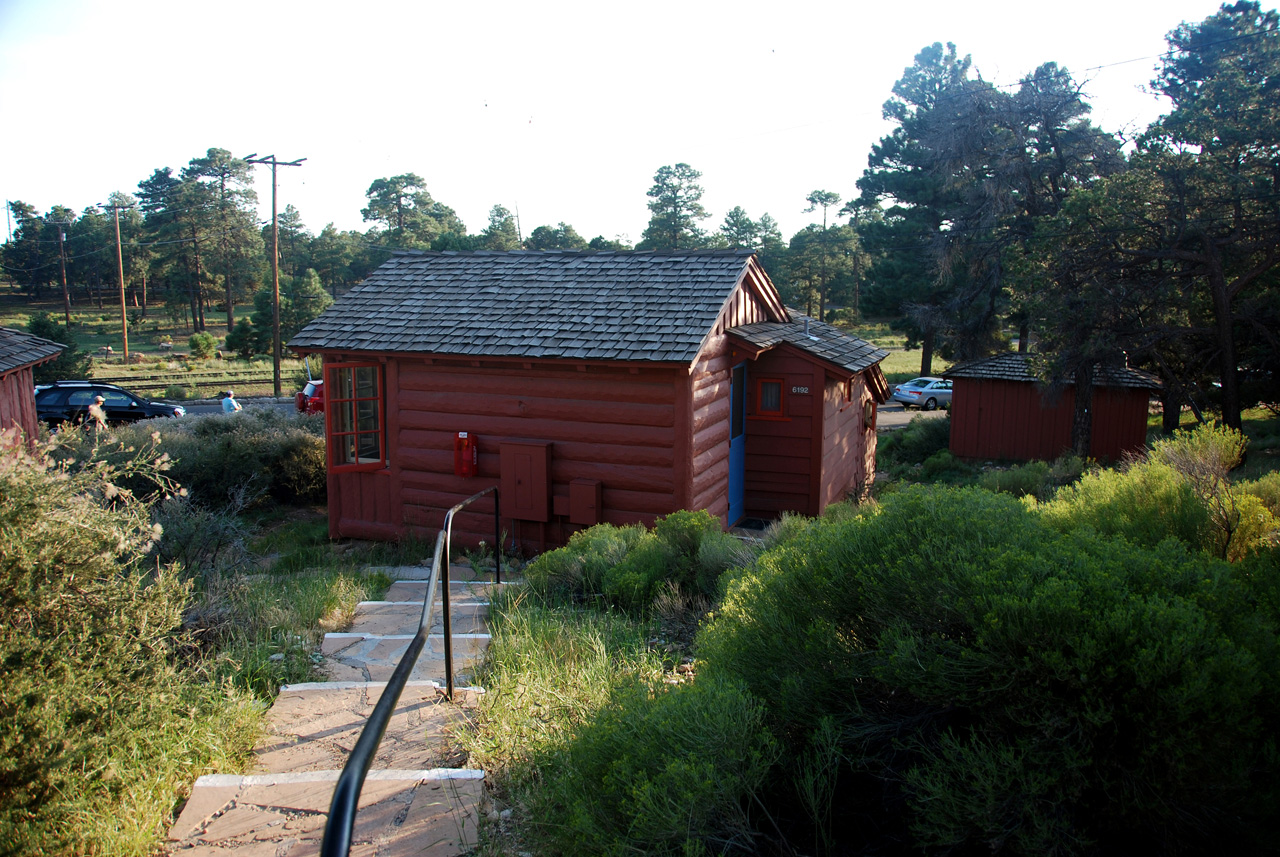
column 367, row 415
column 347, row 449
column 771, row 397
column 370, row 448
column 366, row 381
column 342, row 421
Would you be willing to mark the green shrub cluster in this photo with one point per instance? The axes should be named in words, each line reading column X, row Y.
column 628, row 566
column 988, row 681
column 1181, row 491
column 580, row 731
column 921, row 438
column 203, row 345
column 101, row 728
column 1039, row 479
column 241, row 459
column 669, row 770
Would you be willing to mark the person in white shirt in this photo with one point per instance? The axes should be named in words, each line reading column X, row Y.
column 229, row 403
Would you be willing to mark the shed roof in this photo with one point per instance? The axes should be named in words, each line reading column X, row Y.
column 815, row 337
column 642, row 306
column 18, row 348
column 1014, row 367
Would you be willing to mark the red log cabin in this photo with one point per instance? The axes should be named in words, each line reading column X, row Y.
column 590, row 387
column 20, row 353
column 1000, row 410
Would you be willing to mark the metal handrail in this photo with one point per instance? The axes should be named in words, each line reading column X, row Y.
column 346, row 794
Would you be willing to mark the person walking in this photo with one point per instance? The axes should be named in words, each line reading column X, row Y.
column 229, row 403
column 97, row 420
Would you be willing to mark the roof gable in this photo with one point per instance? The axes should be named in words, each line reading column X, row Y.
column 826, row 342
column 19, row 349
column 640, row 306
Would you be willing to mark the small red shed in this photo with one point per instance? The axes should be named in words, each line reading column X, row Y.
column 590, row 387
column 1000, row 410
column 19, row 353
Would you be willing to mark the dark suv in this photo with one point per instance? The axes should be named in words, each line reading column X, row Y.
column 68, row 402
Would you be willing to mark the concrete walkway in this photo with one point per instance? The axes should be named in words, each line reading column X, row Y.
column 419, row 797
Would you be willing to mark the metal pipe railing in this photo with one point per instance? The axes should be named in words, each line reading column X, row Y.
column 346, row 794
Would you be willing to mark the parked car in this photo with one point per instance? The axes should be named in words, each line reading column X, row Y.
column 68, row 402
column 926, row 393
column 310, row 399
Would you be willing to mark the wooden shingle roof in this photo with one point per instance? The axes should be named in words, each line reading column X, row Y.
column 1014, row 367
column 18, row 348
column 814, row 337
column 642, row 306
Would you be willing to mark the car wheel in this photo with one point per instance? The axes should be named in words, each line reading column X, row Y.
column 931, row 404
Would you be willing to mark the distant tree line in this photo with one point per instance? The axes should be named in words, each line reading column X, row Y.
column 986, row 210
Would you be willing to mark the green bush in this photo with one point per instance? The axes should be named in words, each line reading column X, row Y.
column 629, row 565
column 1039, row 479
column 1011, row 687
column 71, row 364
column 633, row 582
column 921, row 438
column 99, row 722
column 665, row 771
column 1182, row 491
column 577, row 569
column 243, row 459
column 202, row 345
column 1267, row 489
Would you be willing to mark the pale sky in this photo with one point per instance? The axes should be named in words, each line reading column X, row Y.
column 560, row 110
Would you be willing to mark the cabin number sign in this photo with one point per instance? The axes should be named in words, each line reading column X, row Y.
column 795, row 390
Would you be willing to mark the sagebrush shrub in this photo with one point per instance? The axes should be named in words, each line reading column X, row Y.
column 1011, row 686
column 258, row 454
column 670, row 771
column 99, row 723
column 921, row 438
column 1267, row 489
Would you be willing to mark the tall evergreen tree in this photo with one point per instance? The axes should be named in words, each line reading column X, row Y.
column 674, row 201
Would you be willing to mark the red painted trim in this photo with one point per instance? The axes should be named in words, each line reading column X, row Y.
column 332, row 404
column 781, row 412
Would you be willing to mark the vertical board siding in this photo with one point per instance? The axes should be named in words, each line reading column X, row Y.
column 1015, row 421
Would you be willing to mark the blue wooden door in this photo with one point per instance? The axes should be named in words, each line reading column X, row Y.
column 737, row 442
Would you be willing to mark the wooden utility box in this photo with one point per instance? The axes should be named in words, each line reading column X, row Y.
column 585, row 501
column 525, row 467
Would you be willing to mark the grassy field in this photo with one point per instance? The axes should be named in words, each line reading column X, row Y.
column 160, row 364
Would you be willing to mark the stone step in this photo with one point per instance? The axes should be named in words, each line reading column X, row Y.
column 314, row 726
column 430, row 812
column 389, row 618
column 416, row 590
column 423, row 572
column 371, row 657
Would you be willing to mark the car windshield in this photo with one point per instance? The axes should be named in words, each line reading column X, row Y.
column 918, row 382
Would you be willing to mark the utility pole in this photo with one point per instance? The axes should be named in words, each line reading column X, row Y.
column 62, row 260
column 275, row 262
column 124, row 314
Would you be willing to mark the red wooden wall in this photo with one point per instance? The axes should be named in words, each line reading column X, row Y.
column 18, row 403
column 1010, row 420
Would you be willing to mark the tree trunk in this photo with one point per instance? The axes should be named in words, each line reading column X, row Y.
column 926, row 352
column 1226, row 341
column 1171, row 402
column 1024, row 337
column 1082, row 420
